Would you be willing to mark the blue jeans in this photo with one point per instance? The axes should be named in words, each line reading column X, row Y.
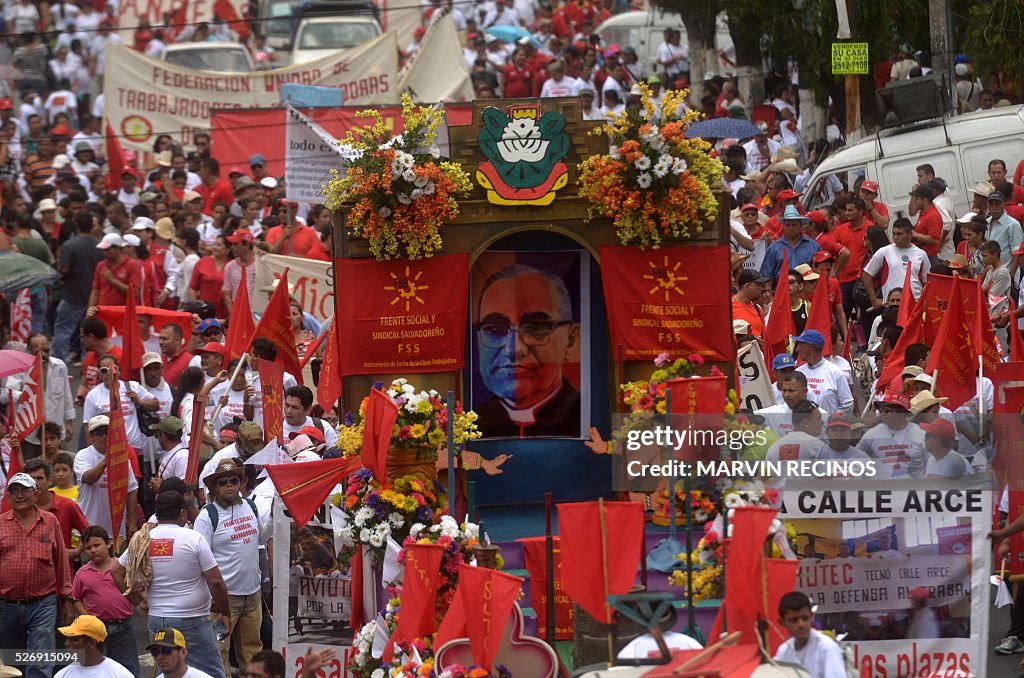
column 40, row 309
column 65, row 329
column 121, row 646
column 31, row 627
column 203, row 650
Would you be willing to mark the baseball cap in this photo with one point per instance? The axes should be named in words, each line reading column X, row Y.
column 807, row 272
column 924, row 378
column 817, row 217
column 812, row 337
column 788, row 194
column 961, row 70
column 636, row 91
column 207, row 324
column 912, row 371
column 23, row 479
column 997, row 196
column 869, row 186
column 894, row 398
column 653, row 80
column 749, row 206
column 131, row 239
column 61, row 161
column 143, row 224
column 99, row 421
column 966, row 219
column 250, row 430
column 240, row 235
column 151, row 359
column 314, row 434
column 257, row 159
column 820, row 256
column 941, row 428
column 170, row 425
column 6, row 104
column 47, row 204
column 191, row 195
column 110, row 240
column 749, row 275
column 792, row 214
column 268, row 182
column 85, row 625
column 167, row 637
column 1019, row 250
column 61, row 131
column 212, row 347
column 782, row 361
column 840, row 419
column 165, row 228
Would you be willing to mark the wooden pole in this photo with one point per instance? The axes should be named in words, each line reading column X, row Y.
column 604, row 579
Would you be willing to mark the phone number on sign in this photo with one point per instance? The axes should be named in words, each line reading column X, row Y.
column 38, row 657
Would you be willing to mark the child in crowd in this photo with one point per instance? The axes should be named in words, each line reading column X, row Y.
column 64, row 476
column 96, row 593
column 807, row 647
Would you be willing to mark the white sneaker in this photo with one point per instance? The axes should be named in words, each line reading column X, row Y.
column 1009, row 645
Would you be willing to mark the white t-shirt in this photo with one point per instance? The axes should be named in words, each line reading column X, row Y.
column 827, row 386
column 179, row 556
column 822, row 657
column 828, row 453
column 173, row 463
column 666, row 51
column 234, row 408
column 794, row 446
column 93, row 499
column 901, row 451
column 780, row 418
column 330, row 435
column 191, row 672
column 97, row 401
column 952, row 467
column 896, row 260
column 565, row 87
column 164, row 395
column 108, row 668
column 235, row 544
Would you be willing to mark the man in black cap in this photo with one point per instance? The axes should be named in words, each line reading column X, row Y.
column 750, row 287
column 173, row 454
column 169, row 651
column 1004, row 229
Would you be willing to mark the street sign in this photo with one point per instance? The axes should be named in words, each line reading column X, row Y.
column 850, row 58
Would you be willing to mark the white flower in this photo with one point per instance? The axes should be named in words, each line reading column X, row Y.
column 642, row 163
column 435, row 152
column 421, row 181
column 377, row 673
column 409, row 175
column 678, row 166
column 415, row 530
column 613, row 152
column 416, row 194
column 471, row 530
column 404, row 199
column 396, row 520
column 362, row 515
column 429, row 188
column 364, row 536
column 644, row 180
column 380, row 534
column 449, row 527
column 384, row 212
column 407, row 387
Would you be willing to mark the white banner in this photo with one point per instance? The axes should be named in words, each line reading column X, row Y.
column 313, row 281
column 310, row 153
column 872, row 550
column 326, row 597
column 755, row 383
column 146, row 97
column 437, row 71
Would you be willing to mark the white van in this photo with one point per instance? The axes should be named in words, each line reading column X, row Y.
column 959, row 151
column 644, row 32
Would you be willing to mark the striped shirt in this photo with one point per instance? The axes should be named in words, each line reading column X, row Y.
column 35, row 562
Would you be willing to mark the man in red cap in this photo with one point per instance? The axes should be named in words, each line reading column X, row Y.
column 896, row 442
column 242, row 243
column 783, row 199
column 816, row 228
column 943, row 460
column 874, row 209
column 211, row 360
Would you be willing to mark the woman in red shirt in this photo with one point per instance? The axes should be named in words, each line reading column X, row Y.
column 520, row 81
column 208, row 277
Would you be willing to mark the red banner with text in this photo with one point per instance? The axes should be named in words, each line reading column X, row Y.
column 674, row 299
column 535, row 555
column 403, row 316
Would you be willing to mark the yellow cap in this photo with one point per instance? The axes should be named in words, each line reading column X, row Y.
column 86, row 625
column 167, row 638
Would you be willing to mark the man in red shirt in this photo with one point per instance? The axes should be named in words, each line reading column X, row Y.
column 297, row 240
column 815, row 228
column 68, row 514
column 213, row 188
column 114, row 274
column 783, row 199
column 875, row 210
column 176, row 358
column 850, row 234
column 928, row 229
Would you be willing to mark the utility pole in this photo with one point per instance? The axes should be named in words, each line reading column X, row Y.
column 851, row 83
column 940, row 24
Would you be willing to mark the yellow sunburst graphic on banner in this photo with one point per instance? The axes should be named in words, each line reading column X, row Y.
column 407, row 288
column 666, row 277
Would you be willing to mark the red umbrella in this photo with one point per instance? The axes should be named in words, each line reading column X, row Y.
column 14, row 362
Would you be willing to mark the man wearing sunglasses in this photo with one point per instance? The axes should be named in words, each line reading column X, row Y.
column 168, row 651
column 525, row 335
column 234, row 528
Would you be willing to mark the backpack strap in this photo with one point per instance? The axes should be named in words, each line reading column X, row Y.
column 211, row 511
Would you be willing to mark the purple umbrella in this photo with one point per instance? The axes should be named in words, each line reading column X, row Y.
column 14, row 362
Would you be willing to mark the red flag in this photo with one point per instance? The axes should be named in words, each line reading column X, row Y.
column 820, row 315
column 272, row 387
column 378, row 423
column 357, row 618
column 114, row 316
column 178, row 23
column 328, row 389
column 303, row 487
column 744, row 592
column 276, row 325
column 116, row 163
column 30, row 414
column 984, row 336
column 225, row 11
column 781, row 578
column 907, row 301
column 954, row 355
column 195, row 440
column 536, row 562
column 490, row 594
column 131, row 342
column 780, row 321
column 21, row 316
column 1016, row 342
column 419, row 594
column 118, row 466
column 700, row 400
column 240, row 328
column 583, row 575
column 913, row 332
column 14, row 464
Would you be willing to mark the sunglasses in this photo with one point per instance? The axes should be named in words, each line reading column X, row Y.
column 157, row 651
column 224, row 482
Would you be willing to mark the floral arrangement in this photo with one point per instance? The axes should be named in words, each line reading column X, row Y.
column 422, row 424
column 374, row 512
column 653, row 182
column 458, row 542
column 402, row 192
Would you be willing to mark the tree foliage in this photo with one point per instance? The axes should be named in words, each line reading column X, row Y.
column 994, row 30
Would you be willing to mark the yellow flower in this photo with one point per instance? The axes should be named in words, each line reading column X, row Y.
column 435, row 437
column 417, row 431
column 424, row 407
